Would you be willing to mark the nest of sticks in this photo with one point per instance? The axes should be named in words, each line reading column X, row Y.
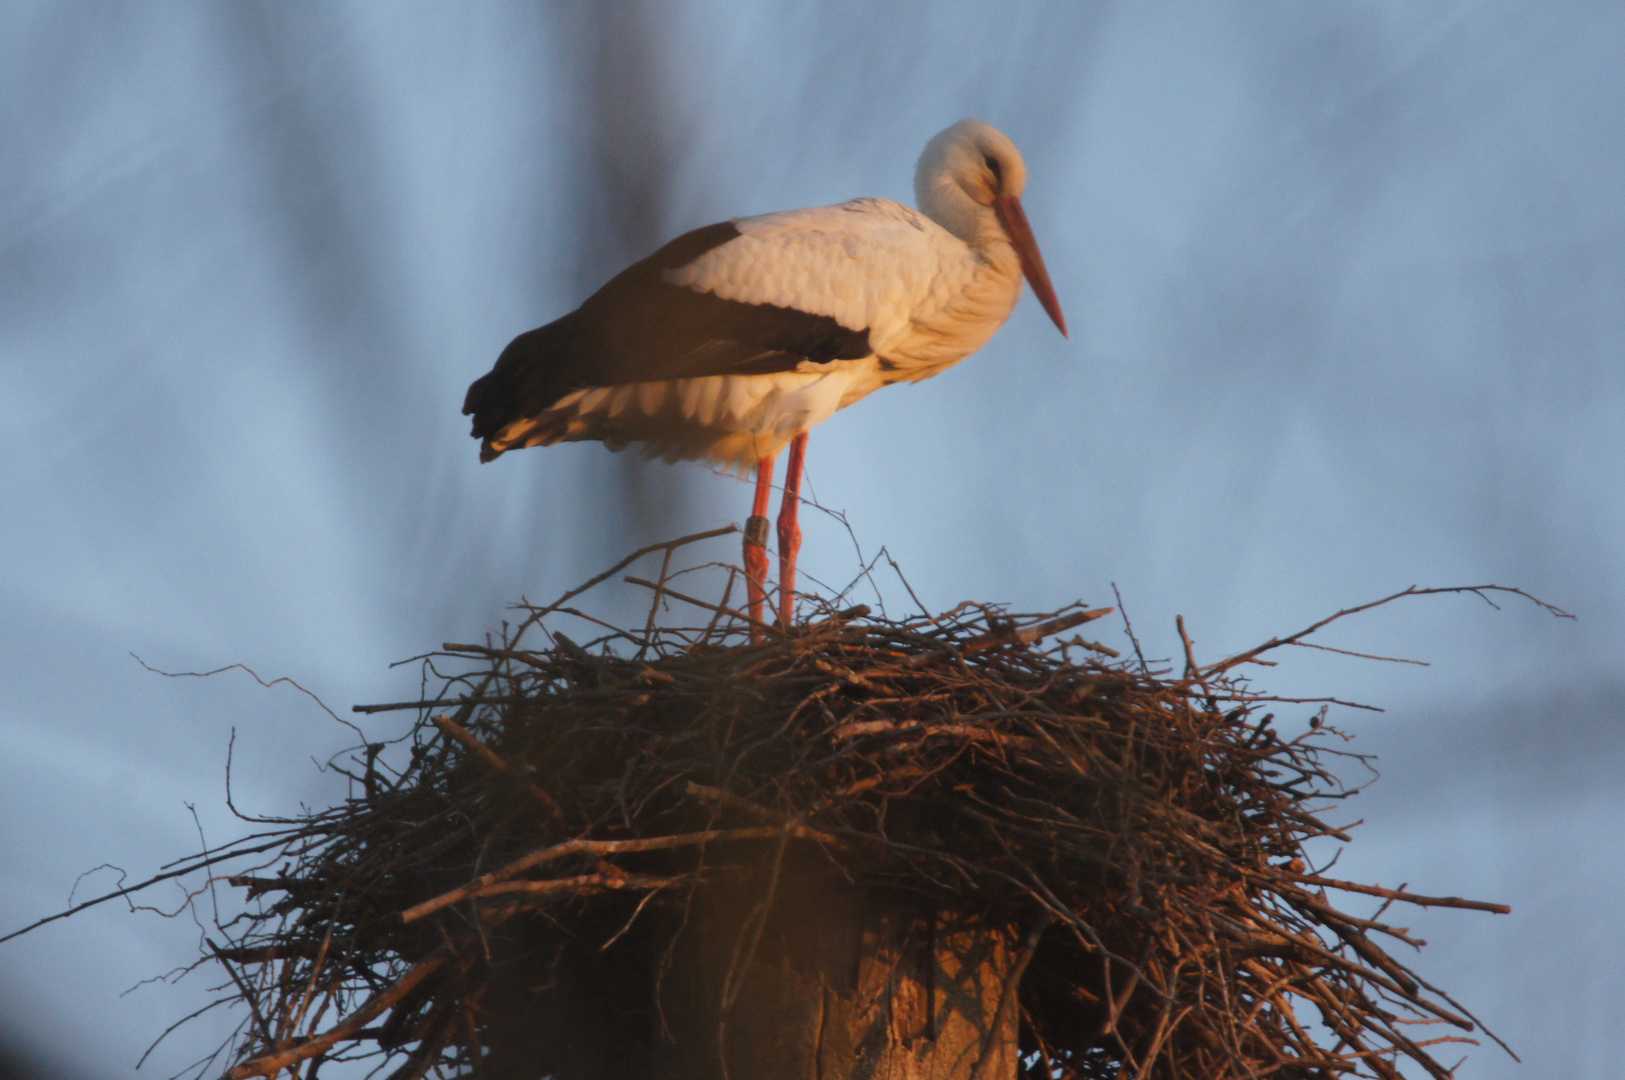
column 1146, row 829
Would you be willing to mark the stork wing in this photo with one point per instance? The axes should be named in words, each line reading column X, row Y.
column 643, row 326
column 869, row 264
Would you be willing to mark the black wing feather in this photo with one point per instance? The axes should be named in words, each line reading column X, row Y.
column 641, row 328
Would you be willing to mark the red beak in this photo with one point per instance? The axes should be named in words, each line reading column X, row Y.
column 1014, row 220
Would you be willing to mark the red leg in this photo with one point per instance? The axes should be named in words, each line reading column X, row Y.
column 790, row 530
column 756, row 543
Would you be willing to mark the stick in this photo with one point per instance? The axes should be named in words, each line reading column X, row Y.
column 271, row 1064
column 398, row 706
column 495, row 761
column 1476, row 590
column 1027, row 635
column 282, row 838
column 536, row 615
column 756, row 810
column 591, row 847
column 1406, row 897
column 755, row 624
column 1190, row 655
column 585, row 881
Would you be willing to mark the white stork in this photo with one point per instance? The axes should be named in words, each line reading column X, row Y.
column 734, row 340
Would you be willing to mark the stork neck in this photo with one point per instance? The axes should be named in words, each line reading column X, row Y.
column 950, row 206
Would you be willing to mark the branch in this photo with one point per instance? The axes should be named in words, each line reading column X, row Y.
column 1406, row 897
column 271, row 1064
column 591, row 847
column 1477, row 590
column 755, row 624
column 496, row 762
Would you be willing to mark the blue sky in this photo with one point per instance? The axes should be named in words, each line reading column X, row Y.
column 1347, row 291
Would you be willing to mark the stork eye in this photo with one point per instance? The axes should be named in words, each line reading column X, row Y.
column 993, row 167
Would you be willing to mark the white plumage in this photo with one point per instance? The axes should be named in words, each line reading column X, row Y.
column 927, row 288
column 735, row 340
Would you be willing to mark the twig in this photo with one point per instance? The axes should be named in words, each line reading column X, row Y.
column 538, row 614
column 1128, row 628
column 591, row 847
column 1293, row 639
column 1191, row 669
column 581, row 884
column 898, row 570
column 759, row 812
column 435, row 703
column 1027, row 635
column 1361, row 655
column 271, row 1064
column 1405, row 897
column 675, row 595
column 494, row 760
column 282, row 839
column 251, row 673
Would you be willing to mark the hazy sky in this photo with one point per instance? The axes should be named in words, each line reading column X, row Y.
column 1347, row 290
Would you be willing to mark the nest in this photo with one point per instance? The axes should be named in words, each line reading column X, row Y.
column 1144, row 832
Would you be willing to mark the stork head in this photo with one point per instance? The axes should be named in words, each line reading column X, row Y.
column 969, row 181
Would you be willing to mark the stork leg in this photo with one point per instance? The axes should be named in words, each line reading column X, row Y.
column 756, row 543
column 790, row 530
